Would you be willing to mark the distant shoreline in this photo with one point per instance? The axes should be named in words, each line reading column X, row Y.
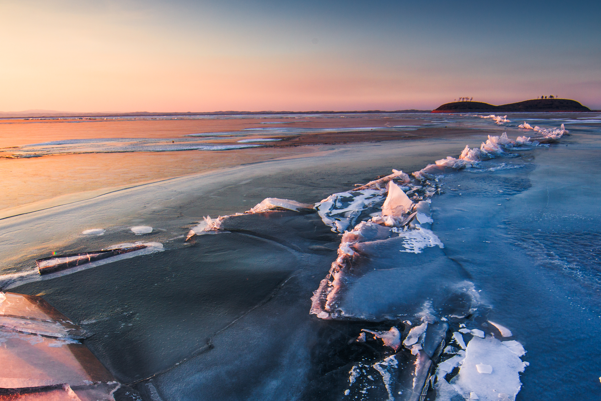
column 50, row 114
column 527, row 106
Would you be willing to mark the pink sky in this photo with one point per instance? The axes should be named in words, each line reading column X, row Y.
column 130, row 56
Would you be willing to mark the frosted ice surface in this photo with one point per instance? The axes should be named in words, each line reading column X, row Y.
column 505, row 332
column 447, row 366
column 419, row 238
column 94, row 231
column 341, row 210
column 141, row 230
column 424, row 219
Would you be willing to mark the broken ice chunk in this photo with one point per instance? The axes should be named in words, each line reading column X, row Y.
column 473, row 332
column 484, row 369
column 269, row 204
column 397, row 203
column 206, row 227
column 416, row 334
column 390, row 338
column 57, row 263
column 491, row 367
column 424, row 219
column 459, row 339
column 505, row 332
column 477, row 333
column 141, row 230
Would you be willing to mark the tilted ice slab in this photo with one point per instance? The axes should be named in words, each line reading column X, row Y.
column 373, row 279
column 8, row 281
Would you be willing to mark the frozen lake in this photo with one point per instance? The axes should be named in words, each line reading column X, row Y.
column 483, row 271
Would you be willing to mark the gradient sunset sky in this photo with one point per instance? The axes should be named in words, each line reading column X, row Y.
column 184, row 55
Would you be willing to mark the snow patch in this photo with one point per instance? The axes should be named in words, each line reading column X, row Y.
column 490, row 369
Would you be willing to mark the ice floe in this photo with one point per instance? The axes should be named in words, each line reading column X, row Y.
column 505, row 332
column 141, row 230
column 488, row 369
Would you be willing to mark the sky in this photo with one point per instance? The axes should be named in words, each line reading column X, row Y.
column 256, row 55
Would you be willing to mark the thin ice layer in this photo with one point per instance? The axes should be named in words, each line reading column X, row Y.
column 8, row 281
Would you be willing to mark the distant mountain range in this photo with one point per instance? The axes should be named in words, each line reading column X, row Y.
column 535, row 105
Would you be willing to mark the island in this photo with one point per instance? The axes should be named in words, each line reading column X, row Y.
column 534, row 105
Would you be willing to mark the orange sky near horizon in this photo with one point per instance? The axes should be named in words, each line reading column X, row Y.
column 134, row 56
